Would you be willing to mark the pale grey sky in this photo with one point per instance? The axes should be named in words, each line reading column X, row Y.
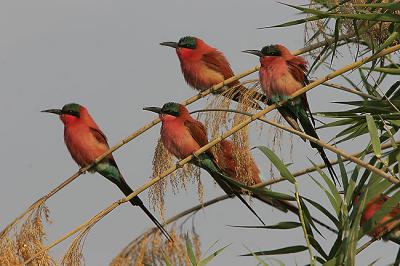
column 106, row 55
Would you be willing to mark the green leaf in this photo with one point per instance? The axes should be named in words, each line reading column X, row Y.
column 329, row 182
column 166, row 259
column 212, row 256
column 394, row 5
column 281, row 225
column 343, row 173
column 331, row 198
column 323, row 210
column 373, row 132
column 189, row 248
column 317, row 247
column 397, row 260
column 387, row 70
column 278, row 163
column 261, row 262
column 279, row 251
column 292, row 23
column 336, row 35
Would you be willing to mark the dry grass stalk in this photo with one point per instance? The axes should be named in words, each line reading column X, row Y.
column 151, row 249
column 8, row 254
column 74, row 254
column 218, row 121
column 162, row 160
column 29, row 239
column 179, row 180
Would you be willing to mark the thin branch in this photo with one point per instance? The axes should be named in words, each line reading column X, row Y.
column 236, row 128
column 343, row 88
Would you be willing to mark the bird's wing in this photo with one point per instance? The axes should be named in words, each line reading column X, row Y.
column 101, row 137
column 199, row 133
column 217, row 61
column 298, row 68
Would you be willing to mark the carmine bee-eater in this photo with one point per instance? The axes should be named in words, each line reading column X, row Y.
column 389, row 226
column 85, row 141
column 281, row 74
column 182, row 135
column 204, row 66
column 228, row 163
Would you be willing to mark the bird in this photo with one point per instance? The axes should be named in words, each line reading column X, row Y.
column 204, row 66
column 389, row 226
column 281, row 74
column 227, row 161
column 183, row 135
column 85, row 141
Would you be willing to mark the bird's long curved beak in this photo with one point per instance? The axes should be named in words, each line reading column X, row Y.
column 153, row 109
column 53, row 111
column 254, row 52
column 170, row 44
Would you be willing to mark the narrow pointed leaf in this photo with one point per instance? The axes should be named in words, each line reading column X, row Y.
column 189, row 248
column 323, row 210
column 373, row 132
column 206, row 260
column 278, row 163
column 281, row 225
column 280, row 251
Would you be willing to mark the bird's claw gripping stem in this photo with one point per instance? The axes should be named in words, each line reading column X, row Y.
column 195, row 157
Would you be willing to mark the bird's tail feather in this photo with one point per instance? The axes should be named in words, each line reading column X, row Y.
column 136, row 201
column 310, row 130
column 290, row 118
column 230, row 189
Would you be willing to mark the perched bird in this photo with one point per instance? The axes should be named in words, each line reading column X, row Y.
column 204, row 66
column 228, row 163
column 282, row 74
column 182, row 135
column 85, row 141
column 389, row 226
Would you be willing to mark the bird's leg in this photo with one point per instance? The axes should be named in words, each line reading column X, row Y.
column 195, row 157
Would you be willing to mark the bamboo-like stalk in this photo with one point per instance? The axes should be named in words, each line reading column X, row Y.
column 236, row 128
column 346, row 89
column 155, row 122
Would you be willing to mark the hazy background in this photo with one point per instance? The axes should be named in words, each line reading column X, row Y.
column 106, row 56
